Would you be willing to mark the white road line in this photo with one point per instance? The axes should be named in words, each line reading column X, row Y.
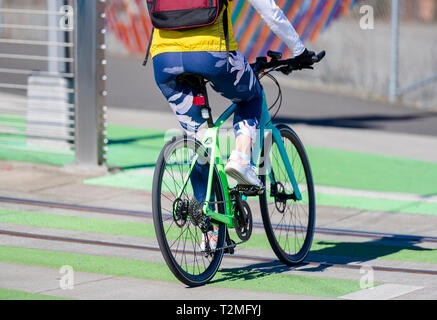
column 383, row 292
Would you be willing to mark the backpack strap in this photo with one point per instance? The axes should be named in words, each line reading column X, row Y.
column 146, row 59
column 226, row 30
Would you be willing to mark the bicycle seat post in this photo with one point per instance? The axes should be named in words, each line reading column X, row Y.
column 198, row 83
column 205, row 109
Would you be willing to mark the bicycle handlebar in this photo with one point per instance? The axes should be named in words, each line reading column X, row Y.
column 285, row 66
column 319, row 57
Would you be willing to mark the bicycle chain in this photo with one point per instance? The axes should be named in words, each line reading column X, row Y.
column 235, row 244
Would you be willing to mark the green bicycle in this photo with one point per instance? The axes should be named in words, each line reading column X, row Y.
column 287, row 202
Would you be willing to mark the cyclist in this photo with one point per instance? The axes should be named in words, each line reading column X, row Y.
column 207, row 51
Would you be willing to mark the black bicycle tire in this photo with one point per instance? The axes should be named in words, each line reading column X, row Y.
column 176, row 269
column 279, row 252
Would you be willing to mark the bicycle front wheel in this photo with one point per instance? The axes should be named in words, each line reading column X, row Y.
column 288, row 222
column 178, row 193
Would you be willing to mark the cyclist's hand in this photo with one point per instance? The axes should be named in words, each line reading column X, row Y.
column 305, row 59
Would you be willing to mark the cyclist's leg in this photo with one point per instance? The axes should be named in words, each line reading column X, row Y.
column 239, row 84
column 167, row 67
column 180, row 96
column 235, row 81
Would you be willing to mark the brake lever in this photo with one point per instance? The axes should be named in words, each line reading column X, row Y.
column 319, row 57
column 286, row 70
column 303, row 66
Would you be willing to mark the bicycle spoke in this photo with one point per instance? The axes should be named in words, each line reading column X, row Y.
column 180, row 239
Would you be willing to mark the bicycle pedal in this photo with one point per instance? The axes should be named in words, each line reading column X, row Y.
column 230, row 246
column 249, row 190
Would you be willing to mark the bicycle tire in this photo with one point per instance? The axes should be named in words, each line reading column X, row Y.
column 186, row 260
column 277, row 227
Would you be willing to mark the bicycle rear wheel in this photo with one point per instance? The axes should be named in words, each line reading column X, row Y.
column 289, row 223
column 179, row 230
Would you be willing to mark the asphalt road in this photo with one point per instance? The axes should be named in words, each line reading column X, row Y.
column 132, row 86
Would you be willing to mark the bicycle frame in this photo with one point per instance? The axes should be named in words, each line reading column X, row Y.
column 211, row 143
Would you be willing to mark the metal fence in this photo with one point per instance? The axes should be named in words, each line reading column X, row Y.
column 395, row 59
column 52, row 78
column 413, row 14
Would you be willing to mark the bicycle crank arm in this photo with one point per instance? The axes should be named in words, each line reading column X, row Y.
column 248, row 190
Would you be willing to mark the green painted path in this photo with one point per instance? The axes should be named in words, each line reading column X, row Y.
column 249, row 278
column 226, row 278
column 6, row 294
column 135, row 149
column 363, row 250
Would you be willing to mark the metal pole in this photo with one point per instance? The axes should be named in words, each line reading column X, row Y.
column 1, row 17
column 89, row 39
column 394, row 69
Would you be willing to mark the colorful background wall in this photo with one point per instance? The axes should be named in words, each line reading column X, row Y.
column 129, row 21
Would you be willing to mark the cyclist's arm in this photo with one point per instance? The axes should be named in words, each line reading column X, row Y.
column 279, row 24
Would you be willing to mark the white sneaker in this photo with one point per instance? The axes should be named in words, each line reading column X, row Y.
column 240, row 169
column 212, row 240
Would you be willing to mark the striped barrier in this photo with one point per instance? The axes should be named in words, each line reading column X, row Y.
column 130, row 23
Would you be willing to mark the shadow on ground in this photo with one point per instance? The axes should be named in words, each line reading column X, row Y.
column 358, row 122
column 325, row 256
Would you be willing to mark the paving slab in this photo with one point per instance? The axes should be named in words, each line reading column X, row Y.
column 383, row 292
column 89, row 286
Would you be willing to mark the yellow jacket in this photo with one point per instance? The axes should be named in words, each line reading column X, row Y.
column 209, row 38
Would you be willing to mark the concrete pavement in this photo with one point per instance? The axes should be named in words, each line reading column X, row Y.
column 58, row 185
column 407, row 134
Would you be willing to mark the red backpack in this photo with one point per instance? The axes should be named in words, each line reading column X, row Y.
column 186, row 14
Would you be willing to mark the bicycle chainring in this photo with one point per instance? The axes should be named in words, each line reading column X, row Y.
column 280, row 203
column 243, row 222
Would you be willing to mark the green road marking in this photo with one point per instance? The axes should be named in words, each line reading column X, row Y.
column 365, row 171
column 346, row 169
column 128, row 147
column 374, row 249
column 34, row 156
column 129, row 179
column 375, row 204
column 20, row 151
column 339, row 168
column 364, row 250
column 6, row 294
column 96, row 225
column 131, row 147
column 260, row 278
